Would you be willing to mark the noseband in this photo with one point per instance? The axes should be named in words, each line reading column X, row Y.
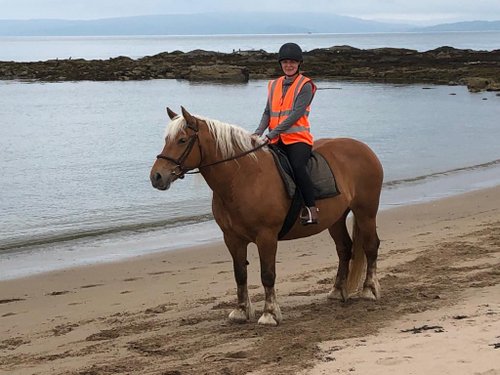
column 180, row 170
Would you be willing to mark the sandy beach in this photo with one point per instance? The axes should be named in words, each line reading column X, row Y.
column 439, row 270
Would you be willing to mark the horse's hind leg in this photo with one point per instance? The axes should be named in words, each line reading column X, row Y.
column 238, row 249
column 367, row 231
column 343, row 244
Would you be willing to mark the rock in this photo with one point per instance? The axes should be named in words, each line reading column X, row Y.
column 444, row 65
column 477, row 84
column 225, row 73
column 494, row 86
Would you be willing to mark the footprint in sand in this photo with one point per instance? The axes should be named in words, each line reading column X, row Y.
column 58, row 293
column 132, row 279
column 63, row 329
column 10, row 300
column 158, row 273
column 90, row 286
column 12, row 343
column 392, row 361
column 220, row 262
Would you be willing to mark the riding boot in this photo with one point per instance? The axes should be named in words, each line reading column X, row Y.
column 309, row 215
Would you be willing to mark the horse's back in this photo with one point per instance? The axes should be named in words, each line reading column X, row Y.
column 350, row 152
column 356, row 167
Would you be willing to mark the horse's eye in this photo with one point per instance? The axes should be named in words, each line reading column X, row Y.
column 182, row 140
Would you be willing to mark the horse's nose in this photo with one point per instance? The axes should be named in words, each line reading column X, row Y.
column 157, row 177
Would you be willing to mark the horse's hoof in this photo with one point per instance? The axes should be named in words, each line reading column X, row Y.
column 238, row 316
column 267, row 319
column 367, row 293
column 338, row 294
column 371, row 290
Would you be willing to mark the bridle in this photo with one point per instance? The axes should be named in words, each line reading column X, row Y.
column 180, row 170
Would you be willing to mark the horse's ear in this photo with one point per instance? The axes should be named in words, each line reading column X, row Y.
column 171, row 113
column 190, row 120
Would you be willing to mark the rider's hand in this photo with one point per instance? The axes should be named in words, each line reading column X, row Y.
column 264, row 139
column 261, row 138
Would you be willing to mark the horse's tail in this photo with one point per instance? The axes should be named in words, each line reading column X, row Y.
column 357, row 265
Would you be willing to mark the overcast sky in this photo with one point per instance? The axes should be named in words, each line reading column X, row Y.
column 423, row 12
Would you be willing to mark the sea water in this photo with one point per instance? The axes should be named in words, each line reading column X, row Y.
column 75, row 158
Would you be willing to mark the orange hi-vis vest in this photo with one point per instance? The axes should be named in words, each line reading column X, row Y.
column 281, row 106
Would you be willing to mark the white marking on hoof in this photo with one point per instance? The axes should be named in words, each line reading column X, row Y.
column 338, row 294
column 267, row 319
column 368, row 294
column 238, row 316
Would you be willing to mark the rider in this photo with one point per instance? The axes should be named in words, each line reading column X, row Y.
column 286, row 116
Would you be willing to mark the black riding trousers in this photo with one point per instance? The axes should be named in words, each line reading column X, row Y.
column 298, row 155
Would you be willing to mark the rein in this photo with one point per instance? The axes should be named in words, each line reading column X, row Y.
column 180, row 170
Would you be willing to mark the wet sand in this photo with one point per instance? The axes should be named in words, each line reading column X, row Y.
column 166, row 313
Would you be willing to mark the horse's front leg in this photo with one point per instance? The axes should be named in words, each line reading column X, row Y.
column 267, row 245
column 238, row 249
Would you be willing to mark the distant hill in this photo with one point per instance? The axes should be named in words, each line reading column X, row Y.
column 199, row 24
column 222, row 23
column 465, row 26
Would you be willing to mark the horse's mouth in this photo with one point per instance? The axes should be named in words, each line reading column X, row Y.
column 160, row 183
column 162, row 187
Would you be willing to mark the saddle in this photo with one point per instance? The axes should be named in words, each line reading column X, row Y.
column 321, row 174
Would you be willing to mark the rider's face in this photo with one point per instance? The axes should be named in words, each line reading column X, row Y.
column 290, row 67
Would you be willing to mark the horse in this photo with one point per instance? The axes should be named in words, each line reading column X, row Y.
column 250, row 203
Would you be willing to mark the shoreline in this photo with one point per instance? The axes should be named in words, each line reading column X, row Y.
column 61, row 256
column 172, row 307
column 124, row 245
column 188, row 250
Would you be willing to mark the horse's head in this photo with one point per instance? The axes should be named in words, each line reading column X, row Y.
column 181, row 152
column 191, row 141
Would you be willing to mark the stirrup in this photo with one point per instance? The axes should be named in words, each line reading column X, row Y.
column 309, row 215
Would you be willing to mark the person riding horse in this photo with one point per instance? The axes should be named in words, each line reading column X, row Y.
column 230, row 159
column 286, row 116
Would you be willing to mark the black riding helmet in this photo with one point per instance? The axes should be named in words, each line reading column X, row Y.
column 290, row 51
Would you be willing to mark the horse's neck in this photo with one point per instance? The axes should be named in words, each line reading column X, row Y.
column 223, row 178
column 244, row 173
column 240, row 173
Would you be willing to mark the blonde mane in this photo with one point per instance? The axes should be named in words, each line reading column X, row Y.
column 230, row 139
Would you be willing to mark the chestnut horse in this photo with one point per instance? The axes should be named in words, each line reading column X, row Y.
column 250, row 203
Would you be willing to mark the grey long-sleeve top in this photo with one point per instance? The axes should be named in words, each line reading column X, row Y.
column 304, row 98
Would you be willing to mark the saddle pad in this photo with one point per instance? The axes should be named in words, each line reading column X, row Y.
column 319, row 170
column 321, row 175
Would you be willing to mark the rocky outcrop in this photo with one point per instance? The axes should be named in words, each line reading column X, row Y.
column 218, row 72
column 477, row 84
column 444, row 65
